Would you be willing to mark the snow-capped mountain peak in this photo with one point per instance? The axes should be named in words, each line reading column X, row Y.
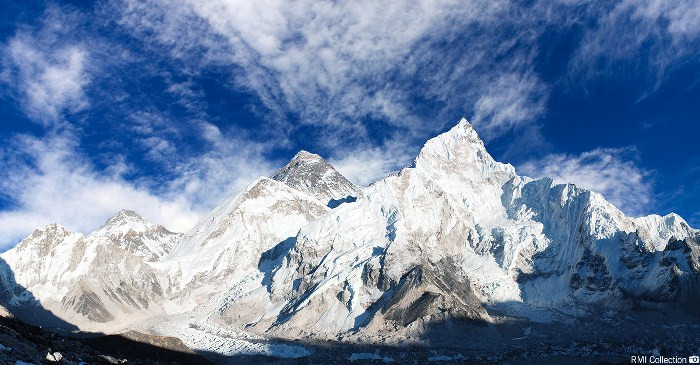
column 461, row 151
column 123, row 222
column 457, row 162
column 45, row 239
column 305, row 156
column 95, row 278
column 458, row 216
column 450, row 237
column 658, row 230
column 137, row 235
column 311, row 174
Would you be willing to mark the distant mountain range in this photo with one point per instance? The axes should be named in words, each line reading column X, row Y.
column 306, row 254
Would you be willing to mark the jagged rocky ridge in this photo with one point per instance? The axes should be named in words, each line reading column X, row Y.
column 308, row 254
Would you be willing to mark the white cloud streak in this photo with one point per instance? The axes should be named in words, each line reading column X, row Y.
column 364, row 166
column 62, row 186
column 328, row 62
column 49, row 80
column 49, row 179
column 50, row 182
column 230, row 162
column 341, row 66
column 509, row 101
column 656, row 35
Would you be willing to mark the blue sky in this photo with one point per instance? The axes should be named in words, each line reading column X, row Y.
column 168, row 107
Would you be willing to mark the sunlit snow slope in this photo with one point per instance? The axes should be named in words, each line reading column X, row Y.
column 306, row 253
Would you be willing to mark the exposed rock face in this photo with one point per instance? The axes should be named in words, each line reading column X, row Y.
column 311, row 174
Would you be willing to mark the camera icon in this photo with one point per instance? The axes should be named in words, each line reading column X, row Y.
column 694, row 359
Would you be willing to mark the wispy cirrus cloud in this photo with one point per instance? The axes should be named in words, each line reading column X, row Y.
column 509, row 101
column 364, row 83
column 52, row 70
column 367, row 165
column 230, row 162
column 344, row 68
column 657, row 36
column 336, row 64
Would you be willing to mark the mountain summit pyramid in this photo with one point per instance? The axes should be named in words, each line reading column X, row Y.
column 311, row 174
column 457, row 236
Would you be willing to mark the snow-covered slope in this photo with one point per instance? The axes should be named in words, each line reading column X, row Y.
column 224, row 249
column 459, row 230
column 307, row 253
column 96, row 281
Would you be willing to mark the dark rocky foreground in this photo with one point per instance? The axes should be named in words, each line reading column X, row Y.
column 26, row 344
column 601, row 338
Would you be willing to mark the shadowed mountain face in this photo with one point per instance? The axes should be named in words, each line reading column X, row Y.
column 25, row 306
column 35, row 345
column 456, row 250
